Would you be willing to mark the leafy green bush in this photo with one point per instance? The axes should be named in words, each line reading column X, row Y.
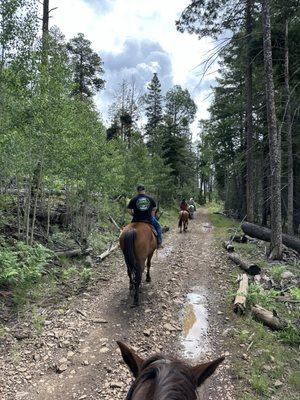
column 86, row 274
column 295, row 293
column 257, row 294
column 22, row 264
column 277, row 271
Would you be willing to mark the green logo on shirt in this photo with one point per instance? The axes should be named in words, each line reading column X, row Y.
column 143, row 204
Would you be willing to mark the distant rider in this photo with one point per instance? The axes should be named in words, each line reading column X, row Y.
column 143, row 208
column 192, row 203
column 183, row 205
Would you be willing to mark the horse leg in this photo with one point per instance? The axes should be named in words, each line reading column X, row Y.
column 137, row 282
column 130, row 279
column 148, row 277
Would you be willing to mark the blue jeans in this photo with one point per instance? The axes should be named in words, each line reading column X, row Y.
column 158, row 229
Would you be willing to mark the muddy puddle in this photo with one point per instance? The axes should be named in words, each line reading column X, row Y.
column 194, row 316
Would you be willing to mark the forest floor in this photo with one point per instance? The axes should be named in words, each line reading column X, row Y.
column 64, row 346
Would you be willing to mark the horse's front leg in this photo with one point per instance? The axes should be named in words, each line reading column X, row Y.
column 148, row 277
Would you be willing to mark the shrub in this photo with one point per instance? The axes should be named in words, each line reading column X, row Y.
column 22, row 264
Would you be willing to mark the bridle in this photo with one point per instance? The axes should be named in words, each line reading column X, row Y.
column 155, row 363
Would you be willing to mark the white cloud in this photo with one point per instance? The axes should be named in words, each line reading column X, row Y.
column 108, row 24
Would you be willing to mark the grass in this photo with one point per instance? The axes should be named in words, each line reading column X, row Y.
column 295, row 293
column 261, row 357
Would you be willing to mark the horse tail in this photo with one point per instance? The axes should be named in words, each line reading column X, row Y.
column 180, row 220
column 128, row 251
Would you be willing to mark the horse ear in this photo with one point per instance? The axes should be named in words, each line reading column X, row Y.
column 131, row 358
column 203, row 371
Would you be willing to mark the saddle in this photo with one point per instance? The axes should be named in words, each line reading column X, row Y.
column 151, row 226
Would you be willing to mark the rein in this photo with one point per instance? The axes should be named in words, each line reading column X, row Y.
column 161, row 361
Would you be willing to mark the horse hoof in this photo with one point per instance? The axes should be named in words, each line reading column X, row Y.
column 148, row 279
column 135, row 305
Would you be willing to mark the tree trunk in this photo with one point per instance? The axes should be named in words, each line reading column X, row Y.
column 36, row 196
column 205, row 191
column 18, row 208
column 262, row 233
column 27, row 215
column 274, row 139
column 48, row 217
column 249, row 119
column 45, row 32
column 289, row 138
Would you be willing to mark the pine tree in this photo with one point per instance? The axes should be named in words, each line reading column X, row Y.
column 274, row 138
column 87, row 67
column 153, row 101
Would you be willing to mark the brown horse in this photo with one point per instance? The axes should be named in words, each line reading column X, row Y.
column 159, row 377
column 183, row 220
column 138, row 244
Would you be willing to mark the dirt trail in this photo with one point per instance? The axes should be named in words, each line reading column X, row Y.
column 182, row 313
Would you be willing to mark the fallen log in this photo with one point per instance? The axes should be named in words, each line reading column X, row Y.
column 251, row 269
column 263, row 233
column 239, row 238
column 239, row 305
column 110, row 218
column 287, row 299
column 220, row 213
column 107, row 252
column 228, row 246
column 267, row 317
column 69, row 253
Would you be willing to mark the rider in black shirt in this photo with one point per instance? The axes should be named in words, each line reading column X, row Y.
column 142, row 208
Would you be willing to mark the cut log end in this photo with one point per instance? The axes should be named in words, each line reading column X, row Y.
column 228, row 246
column 239, row 305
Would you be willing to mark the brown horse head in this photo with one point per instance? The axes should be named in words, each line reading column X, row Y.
column 138, row 244
column 162, row 378
column 183, row 220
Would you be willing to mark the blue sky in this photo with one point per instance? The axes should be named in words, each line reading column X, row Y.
column 136, row 38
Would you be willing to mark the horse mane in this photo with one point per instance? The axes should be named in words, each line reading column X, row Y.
column 172, row 380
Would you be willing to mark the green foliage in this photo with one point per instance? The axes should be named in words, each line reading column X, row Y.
column 22, row 265
column 277, row 271
column 68, row 273
column 86, row 274
column 290, row 335
column 295, row 293
column 153, row 107
column 265, row 298
column 259, row 383
column 294, row 380
column 87, row 66
column 38, row 320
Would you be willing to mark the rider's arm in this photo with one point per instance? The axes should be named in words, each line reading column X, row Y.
column 130, row 207
column 153, row 212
